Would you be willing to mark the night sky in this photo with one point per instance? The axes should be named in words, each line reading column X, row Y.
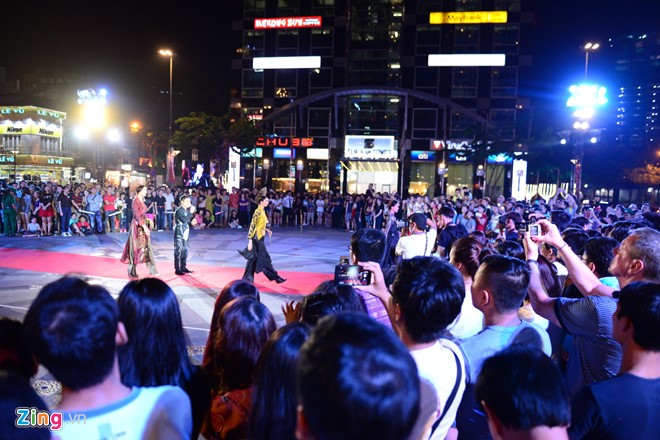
column 117, row 46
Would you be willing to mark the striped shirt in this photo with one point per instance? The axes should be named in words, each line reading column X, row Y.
column 594, row 355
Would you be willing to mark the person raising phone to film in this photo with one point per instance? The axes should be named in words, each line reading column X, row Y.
column 421, row 239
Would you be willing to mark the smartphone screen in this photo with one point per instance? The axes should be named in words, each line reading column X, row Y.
column 344, row 260
column 352, row 275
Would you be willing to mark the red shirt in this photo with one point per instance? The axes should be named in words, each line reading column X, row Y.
column 109, row 202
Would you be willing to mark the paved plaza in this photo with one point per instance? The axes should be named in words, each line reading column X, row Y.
column 306, row 257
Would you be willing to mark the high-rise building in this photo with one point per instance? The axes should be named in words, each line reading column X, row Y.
column 637, row 79
column 392, row 92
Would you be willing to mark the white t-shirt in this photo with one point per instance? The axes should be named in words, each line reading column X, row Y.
column 437, row 365
column 320, row 204
column 169, row 200
column 146, row 413
column 470, row 321
column 416, row 245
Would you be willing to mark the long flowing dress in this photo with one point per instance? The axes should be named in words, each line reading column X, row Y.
column 138, row 246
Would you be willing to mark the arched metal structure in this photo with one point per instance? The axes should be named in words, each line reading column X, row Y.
column 302, row 103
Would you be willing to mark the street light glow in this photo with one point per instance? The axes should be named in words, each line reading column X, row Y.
column 166, row 52
column 593, row 139
column 114, row 135
column 586, row 96
column 563, row 141
column 591, row 46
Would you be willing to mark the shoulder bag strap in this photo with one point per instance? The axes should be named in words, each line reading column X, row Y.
column 452, row 396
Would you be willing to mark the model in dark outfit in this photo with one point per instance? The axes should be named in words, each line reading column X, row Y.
column 182, row 219
column 261, row 261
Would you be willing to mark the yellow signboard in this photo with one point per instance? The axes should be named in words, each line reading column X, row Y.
column 468, row 17
column 51, row 131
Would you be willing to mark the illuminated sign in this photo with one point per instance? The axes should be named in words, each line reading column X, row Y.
column 284, row 142
column 313, row 62
column 370, row 147
column 466, row 60
column 283, row 153
column 458, row 144
column 30, row 112
column 40, row 129
column 36, row 160
column 422, row 156
column 318, row 154
column 457, row 157
column 287, row 22
column 499, row 159
column 470, row 17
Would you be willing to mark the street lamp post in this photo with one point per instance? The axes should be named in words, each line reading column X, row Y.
column 169, row 160
column 170, row 54
column 588, row 48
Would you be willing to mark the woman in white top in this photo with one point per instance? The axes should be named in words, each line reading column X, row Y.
column 320, row 209
column 464, row 256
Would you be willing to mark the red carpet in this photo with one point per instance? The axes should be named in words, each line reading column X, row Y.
column 205, row 276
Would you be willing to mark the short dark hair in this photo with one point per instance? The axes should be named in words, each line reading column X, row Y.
column 71, row 327
column 511, row 248
column 430, row 293
column 347, row 295
column 317, row 305
column 560, row 218
column 576, row 239
column 524, row 389
column 640, row 303
column 368, row 244
column 507, row 279
column 448, row 211
column 600, row 252
column 340, row 394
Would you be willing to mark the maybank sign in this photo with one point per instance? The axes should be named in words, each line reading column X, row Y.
column 468, row 17
column 21, row 128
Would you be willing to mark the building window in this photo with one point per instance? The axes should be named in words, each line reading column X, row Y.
column 507, row 5
column 287, row 42
column 321, row 42
column 318, row 122
column 468, row 5
column 504, row 121
column 320, row 79
column 466, row 39
column 428, row 40
column 428, row 6
column 375, row 114
column 504, row 82
column 325, row 8
column 253, row 44
column 464, row 82
column 461, row 127
column 285, row 125
column 505, row 39
column 254, row 8
column 286, row 7
column 426, row 78
column 424, row 123
column 253, row 84
column 285, row 83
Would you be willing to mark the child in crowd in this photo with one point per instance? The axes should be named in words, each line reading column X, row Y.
column 233, row 219
column 33, row 229
column 73, row 224
column 83, row 226
column 199, row 222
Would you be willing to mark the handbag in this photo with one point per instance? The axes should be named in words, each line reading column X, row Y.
column 247, row 254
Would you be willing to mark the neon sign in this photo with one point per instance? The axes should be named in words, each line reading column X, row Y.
column 284, row 142
column 287, row 22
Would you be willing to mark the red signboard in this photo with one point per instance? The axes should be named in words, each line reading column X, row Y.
column 284, row 142
column 287, row 22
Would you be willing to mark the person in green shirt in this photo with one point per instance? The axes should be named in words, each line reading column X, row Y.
column 9, row 212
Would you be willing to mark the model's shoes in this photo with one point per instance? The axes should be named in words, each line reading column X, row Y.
column 280, row 280
column 186, row 270
column 132, row 272
column 179, row 272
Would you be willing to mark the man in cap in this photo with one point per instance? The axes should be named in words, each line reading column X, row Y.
column 421, row 239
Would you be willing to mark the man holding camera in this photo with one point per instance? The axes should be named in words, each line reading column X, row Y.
column 421, row 239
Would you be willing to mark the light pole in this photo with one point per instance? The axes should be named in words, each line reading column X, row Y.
column 588, row 48
column 169, row 160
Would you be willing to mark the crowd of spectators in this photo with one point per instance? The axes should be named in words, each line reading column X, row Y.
column 473, row 326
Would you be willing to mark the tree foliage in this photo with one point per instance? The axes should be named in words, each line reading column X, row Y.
column 212, row 136
column 648, row 174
